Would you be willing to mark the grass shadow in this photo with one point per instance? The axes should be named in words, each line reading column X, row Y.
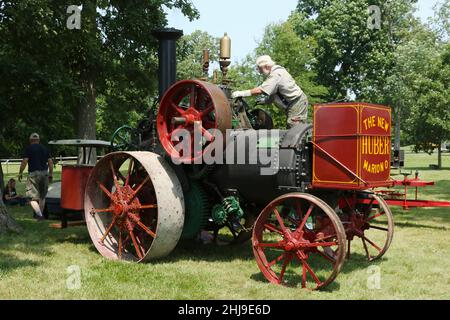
column 9, row 263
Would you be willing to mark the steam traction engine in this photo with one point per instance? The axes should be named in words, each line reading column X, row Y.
column 302, row 209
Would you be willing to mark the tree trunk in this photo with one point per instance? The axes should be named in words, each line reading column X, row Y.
column 440, row 155
column 397, row 129
column 88, row 77
column 7, row 223
column 87, row 117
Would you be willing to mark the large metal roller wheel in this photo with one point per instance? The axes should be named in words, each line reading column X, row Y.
column 192, row 105
column 368, row 217
column 299, row 240
column 134, row 206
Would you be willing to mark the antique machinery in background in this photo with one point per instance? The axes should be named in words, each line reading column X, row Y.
column 302, row 208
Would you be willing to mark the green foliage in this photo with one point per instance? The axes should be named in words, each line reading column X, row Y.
column 430, row 114
column 189, row 54
column 49, row 72
column 295, row 54
column 352, row 58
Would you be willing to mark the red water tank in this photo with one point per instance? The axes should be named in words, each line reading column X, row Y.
column 73, row 184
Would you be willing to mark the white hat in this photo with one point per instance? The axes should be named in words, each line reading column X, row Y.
column 265, row 61
column 34, row 136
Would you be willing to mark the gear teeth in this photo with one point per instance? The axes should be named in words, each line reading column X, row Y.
column 197, row 210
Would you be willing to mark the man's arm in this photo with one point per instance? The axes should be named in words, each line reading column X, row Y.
column 50, row 169
column 23, row 165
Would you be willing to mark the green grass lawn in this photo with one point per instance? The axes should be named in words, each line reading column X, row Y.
column 34, row 265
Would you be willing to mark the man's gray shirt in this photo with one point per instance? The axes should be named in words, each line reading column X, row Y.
column 281, row 87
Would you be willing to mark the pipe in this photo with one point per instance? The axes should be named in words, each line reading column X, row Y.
column 167, row 57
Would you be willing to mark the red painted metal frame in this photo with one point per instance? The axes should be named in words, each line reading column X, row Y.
column 352, row 146
column 406, row 204
column 397, row 198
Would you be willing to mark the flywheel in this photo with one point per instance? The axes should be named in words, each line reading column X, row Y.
column 196, row 108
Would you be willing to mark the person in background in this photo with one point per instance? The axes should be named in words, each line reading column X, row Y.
column 279, row 88
column 40, row 169
column 10, row 197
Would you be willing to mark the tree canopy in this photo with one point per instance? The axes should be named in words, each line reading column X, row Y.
column 59, row 81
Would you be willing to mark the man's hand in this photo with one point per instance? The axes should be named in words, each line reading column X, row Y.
column 50, row 179
column 19, row 177
column 241, row 94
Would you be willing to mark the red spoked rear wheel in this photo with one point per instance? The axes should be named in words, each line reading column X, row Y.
column 299, row 240
column 368, row 217
column 197, row 107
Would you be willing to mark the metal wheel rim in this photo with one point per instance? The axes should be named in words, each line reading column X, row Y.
column 339, row 237
column 107, row 215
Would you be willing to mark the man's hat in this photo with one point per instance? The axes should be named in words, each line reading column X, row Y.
column 265, row 61
column 34, row 136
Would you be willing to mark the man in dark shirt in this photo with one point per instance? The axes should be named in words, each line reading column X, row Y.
column 40, row 169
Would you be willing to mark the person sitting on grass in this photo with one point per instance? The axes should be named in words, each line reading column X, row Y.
column 10, row 197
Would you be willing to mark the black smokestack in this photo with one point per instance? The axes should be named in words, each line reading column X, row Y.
column 167, row 57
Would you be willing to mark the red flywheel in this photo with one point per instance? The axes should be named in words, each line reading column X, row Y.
column 195, row 107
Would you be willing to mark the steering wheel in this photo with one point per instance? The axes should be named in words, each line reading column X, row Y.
column 125, row 138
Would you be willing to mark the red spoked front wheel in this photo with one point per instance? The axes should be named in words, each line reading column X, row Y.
column 134, row 206
column 299, row 240
column 197, row 109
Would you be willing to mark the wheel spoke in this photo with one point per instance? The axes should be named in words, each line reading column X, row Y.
column 273, row 262
column 136, row 247
column 311, row 272
column 177, row 109
column 192, row 96
column 120, row 244
column 283, row 268
column 105, row 190
column 272, row 228
column 148, row 206
column 207, row 111
column 375, row 216
column 277, row 245
column 147, row 230
column 116, row 182
column 326, row 257
column 365, row 249
column 108, row 230
column 136, row 191
column 94, row 211
column 325, row 238
column 208, row 136
column 280, row 220
column 378, row 228
column 298, row 208
column 308, row 213
column 372, row 243
column 322, row 244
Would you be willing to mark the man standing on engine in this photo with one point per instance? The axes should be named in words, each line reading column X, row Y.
column 279, row 88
